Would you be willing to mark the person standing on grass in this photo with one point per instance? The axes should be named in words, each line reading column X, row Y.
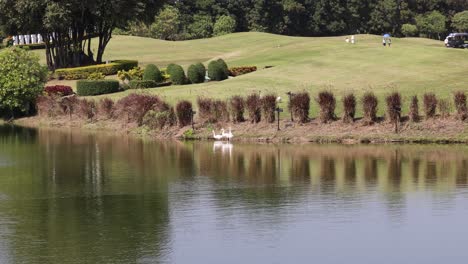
column 384, row 42
column 389, row 42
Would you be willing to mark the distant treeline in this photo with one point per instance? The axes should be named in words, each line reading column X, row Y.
column 191, row 19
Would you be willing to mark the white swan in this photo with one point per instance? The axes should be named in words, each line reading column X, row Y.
column 218, row 137
column 228, row 135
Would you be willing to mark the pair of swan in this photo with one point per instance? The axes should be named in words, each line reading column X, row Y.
column 223, row 135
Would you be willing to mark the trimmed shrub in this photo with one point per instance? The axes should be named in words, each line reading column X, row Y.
column 194, row 74
column 107, row 69
column 105, row 108
column 369, row 104
column 22, row 80
column 216, row 71
column 414, row 109
column 394, row 107
column 237, row 108
column 224, row 66
column 430, row 105
column 69, row 105
column 254, row 106
column 460, row 105
column 35, row 46
column 152, row 73
column 300, row 106
column 61, row 90
column 170, row 67
column 48, row 106
column 184, row 113
column 269, row 107
column 132, row 74
column 349, row 106
column 444, row 108
column 86, row 109
column 142, row 84
column 212, row 111
column 221, row 113
column 157, row 120
column 327, row 103
column 177, row 75
column 201, row 69
column 96, row 76
column 97, row 87
column 205, row 108
column 236, row 71
column 134, row 107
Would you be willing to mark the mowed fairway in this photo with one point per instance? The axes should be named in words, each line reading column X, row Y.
column 411, row 66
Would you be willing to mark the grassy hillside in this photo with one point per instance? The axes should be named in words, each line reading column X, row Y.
column 411, row 65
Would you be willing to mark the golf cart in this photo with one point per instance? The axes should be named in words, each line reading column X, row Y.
column 457, row 40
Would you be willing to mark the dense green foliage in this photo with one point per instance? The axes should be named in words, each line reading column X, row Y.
column 152, row 73
column 196, row 18
column 96, row 87
column 22, row 79
column 409, row 30
column 224, row 66
column 201, row 69
column 460, row 21
column 106, row 69
column 194, row 74
column 67, row 27
column 177, row 74
column 431, row 24
column 217, row 71
column 224, row 25
column 142, row 84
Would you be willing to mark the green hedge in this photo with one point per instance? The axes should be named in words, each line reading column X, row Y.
column 142, row 84
column 216, row 71
column 177, row 75
column 195, row 75
column 152, row 73
column 106, row 69
column 96, row 87
column 32, row 46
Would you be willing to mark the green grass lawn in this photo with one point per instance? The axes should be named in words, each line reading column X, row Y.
column 411, row 66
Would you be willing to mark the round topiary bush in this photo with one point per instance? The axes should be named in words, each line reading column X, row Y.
column 177, row 75
column 216, row 71
column 152, row 73
column 201, row 69
column 170, row 67
column 224, row 66
column 194, row 75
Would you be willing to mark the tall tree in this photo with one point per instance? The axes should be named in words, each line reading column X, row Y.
column 67, row 26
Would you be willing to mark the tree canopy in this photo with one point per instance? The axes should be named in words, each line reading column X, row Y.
column 196, row 18
column 460, row 21
column 67, row 26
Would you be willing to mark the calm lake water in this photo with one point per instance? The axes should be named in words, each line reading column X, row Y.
column 69, row 197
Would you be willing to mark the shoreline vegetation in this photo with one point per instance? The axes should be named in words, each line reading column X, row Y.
column 255, row 118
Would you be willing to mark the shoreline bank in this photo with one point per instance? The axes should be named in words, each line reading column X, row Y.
column 433, row 131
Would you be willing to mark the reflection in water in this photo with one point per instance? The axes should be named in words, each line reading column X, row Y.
column 67, row 197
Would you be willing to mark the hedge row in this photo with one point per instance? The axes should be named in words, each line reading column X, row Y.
column 32, row 46
column 107, row 69
column 61, row 90
column 142, row 84
column 96, row 87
